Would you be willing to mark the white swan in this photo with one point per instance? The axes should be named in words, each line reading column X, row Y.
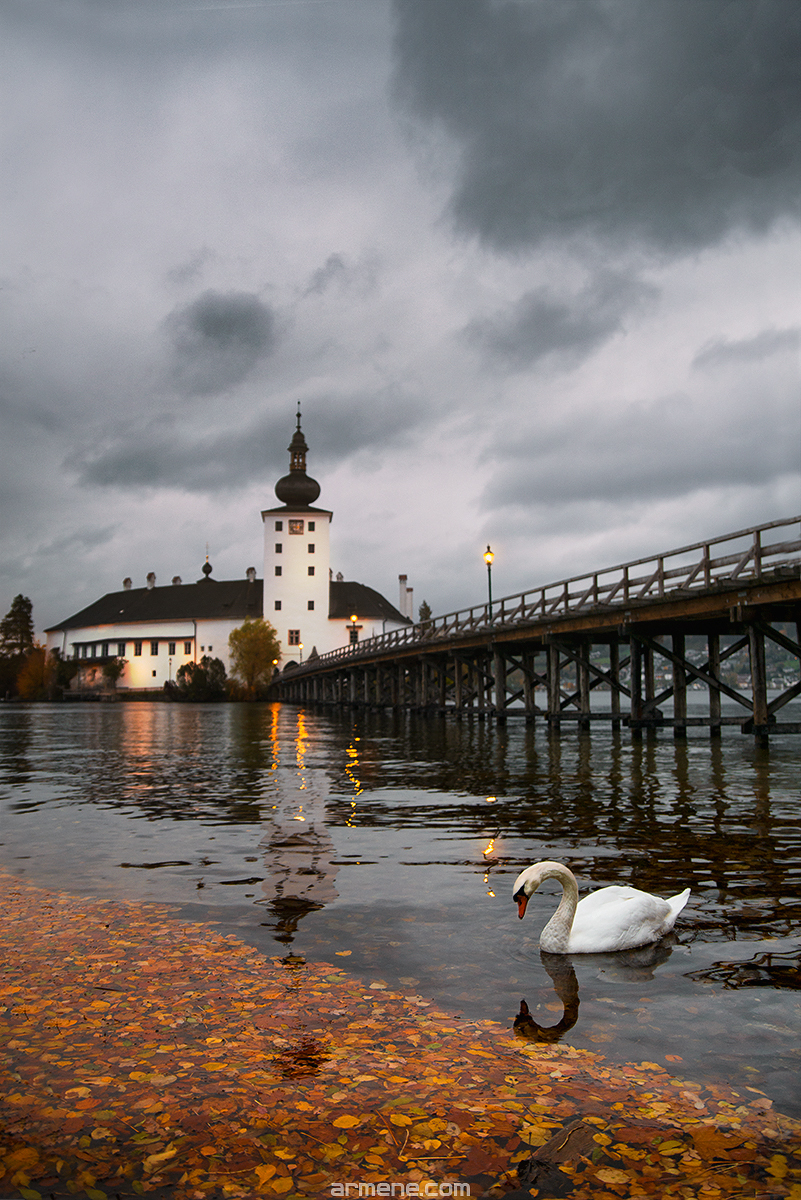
column 613, row 918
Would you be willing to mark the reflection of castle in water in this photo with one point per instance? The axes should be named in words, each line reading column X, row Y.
column 298, row 852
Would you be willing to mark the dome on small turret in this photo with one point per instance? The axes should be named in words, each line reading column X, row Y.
column 297, row 489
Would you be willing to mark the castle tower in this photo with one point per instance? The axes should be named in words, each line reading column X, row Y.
column 297, row 561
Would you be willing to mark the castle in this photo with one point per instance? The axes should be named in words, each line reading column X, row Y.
column 159, row 629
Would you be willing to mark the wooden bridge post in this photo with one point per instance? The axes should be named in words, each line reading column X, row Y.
column 457, row 685
column 679, row 688
column 583, row 681
column 499, row 679
column 554, row 688
column 759, row 683
column 614, row 671
column 713, row 654
column 529, row 692
column 636, row 689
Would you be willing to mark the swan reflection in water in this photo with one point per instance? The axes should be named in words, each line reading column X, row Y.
column 632, row 965
column 565, row 983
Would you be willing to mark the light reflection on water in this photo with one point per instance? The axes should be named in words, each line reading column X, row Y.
column 388, row 844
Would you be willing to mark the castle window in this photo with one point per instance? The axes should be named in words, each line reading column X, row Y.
column 153, row 673
column 278, row 570
column 311, row 570
column 311, row 547
column 104, row 651
column 311, row 526
column 121, row 649
column 171, row 648
column 296, row 526
column 94, row 650
column 294, row 637
column 154, row 647
column 310, row 605
column 278, row 606
column 187, row 647
column 279, row 526
column 279, row 547
column 137, row 648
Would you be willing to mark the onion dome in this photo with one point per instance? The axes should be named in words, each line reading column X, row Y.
column 297, row 490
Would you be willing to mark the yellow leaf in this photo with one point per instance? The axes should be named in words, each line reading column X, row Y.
column 343, row 953
column 400, row 1119
column 346, row 1121
column 535, row 1135
column 78, row 1092
column 612, row 1175
column 778, row 1166
column 286, row 1155
column 216, row 1066
column 263, row 1172
column 153, row 1161
column 283, row 1184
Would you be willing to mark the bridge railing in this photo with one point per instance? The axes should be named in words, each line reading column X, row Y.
column 747, row 554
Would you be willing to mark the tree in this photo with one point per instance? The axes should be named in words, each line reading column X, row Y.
column 202, row 681
column 16, row 641
column 37, row 674
column 16, row 628
column 113, row 669
column 425, row 615
column 254, row 649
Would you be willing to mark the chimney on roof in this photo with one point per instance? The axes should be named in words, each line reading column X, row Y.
column 406, row 598
column 251, row 574
column 340, row 577
column 176, row 581
column 151, row 580
column 127, row 584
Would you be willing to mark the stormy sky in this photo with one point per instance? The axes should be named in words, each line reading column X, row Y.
column 531, row 268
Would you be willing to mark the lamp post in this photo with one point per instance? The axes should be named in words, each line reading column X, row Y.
column 300, row 647
column 354, row 633
column 488, row 557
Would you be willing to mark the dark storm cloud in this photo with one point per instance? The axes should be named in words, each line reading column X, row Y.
column 161, row 455
column 217, row 340
column 541, row 323
column 755, row 349
column 650, row 452
column 659, row 122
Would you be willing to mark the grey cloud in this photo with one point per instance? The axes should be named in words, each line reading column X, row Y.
column 541, row 323
column 161, row 455
column 663, row 123
column 648, row 453
column 333, row 271
column 217, row 340
column 721, row 352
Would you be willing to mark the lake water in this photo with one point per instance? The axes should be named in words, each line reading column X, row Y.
column 388, row 844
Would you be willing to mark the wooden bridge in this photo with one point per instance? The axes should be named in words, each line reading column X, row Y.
column 623, row 631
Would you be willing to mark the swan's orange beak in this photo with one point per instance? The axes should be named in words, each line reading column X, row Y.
column 522, row 901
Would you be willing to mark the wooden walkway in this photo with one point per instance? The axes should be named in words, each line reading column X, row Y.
column 623, row 630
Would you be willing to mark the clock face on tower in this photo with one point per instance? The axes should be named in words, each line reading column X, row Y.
column 295, row 526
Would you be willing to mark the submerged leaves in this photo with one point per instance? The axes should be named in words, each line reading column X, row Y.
column 206, row 1070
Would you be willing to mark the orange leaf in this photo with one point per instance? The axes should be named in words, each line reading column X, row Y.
column 346, row 1121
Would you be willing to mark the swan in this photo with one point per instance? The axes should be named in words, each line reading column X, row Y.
column 613, row 918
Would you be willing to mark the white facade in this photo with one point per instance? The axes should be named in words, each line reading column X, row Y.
column 297, row 573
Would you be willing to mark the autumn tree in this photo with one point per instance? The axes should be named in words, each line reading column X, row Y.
column 37, row 674
column 254, row 649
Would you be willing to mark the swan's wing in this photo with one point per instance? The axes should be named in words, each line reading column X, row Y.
column 618, row 918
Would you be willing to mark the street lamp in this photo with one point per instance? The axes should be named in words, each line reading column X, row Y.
column 488, row 557
column 354, row 633
column 300, row 647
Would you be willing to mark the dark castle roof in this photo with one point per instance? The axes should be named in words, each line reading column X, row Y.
column 207, row 600
column 347, row 598
column 211, row 599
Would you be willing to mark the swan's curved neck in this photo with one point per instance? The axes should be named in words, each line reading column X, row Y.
column 556, row 934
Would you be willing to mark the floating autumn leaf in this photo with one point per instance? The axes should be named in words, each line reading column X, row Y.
column 346, row 1121
column 612, row 1175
